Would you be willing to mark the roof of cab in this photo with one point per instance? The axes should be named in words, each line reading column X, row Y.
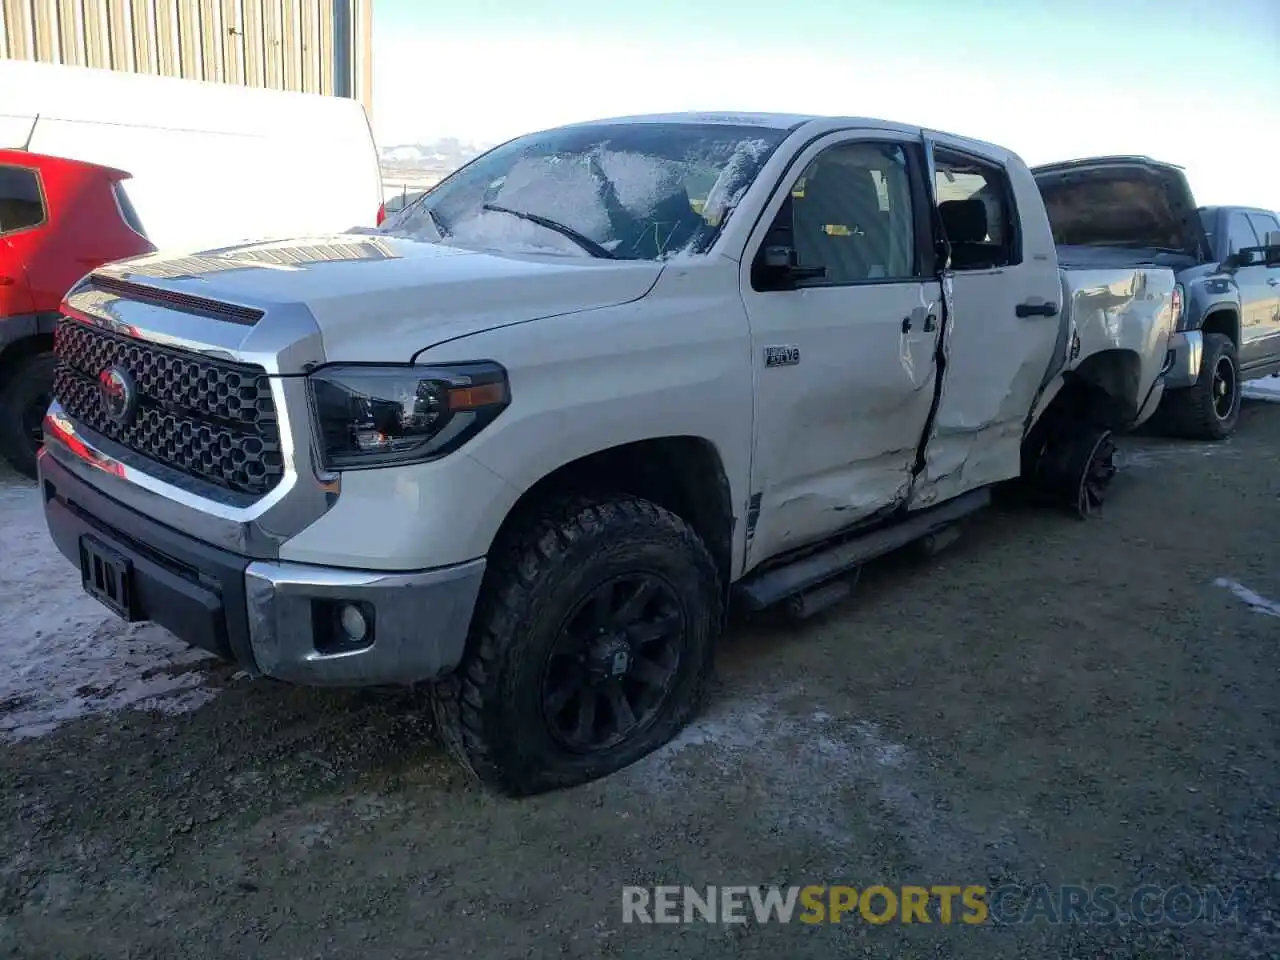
column 794, row 121
column 776, row 121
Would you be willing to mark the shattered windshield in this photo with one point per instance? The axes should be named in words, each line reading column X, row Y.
column 633, row 191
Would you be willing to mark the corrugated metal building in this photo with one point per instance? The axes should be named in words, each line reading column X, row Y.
column 309, row 46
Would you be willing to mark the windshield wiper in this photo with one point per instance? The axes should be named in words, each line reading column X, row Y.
column 586, row 243
column 437, row 223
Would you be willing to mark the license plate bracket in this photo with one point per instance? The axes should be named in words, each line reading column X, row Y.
column 107, row 576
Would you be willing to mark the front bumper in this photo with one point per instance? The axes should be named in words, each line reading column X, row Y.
column 277, row 619
column 1187, row 348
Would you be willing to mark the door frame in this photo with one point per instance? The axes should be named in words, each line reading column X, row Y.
column 928, row 269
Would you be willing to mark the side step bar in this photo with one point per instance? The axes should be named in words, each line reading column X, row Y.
column 771, row 586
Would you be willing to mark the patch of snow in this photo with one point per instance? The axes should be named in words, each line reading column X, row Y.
column 1266, row 388
column 62, row 654
column 567, row 191
column 640, row 180
column 1161, row 454
column 1255, row 601
column 733, row 181
column 308, row 836
column 803, row 769
column 489, row 230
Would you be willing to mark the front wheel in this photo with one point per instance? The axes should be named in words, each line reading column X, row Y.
column 24, row 398
column 591, row 646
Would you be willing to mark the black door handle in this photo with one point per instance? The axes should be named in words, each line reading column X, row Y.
column 1032, row 309
column 930, row 323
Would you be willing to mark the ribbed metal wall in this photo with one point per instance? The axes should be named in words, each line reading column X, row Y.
column 309, row 46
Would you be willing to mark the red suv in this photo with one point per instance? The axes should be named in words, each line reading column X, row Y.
column 59, row 219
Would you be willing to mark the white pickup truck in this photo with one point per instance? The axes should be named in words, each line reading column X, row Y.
column 530, row 439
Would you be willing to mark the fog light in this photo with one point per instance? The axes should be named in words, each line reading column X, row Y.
column 353, row 623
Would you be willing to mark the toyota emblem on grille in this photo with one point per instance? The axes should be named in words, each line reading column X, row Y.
column 118, row 394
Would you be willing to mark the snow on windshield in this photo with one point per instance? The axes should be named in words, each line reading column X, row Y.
column 652, row 202
column 563, row 189
column 733, row 181
column 640, row 180
column 489, row 230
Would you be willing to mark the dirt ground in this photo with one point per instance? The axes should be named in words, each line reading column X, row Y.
column 1046, row 701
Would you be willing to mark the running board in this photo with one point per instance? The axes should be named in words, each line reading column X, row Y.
column 771, row 586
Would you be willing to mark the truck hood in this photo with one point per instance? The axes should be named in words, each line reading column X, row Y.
column 1132, row 202
column 380, row 298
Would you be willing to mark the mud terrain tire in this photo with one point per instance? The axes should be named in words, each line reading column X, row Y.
column 495, row 714
column 1197, row 412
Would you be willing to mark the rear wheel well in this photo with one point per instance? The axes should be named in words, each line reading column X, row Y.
column 1103, row 390
column 683, row 474
column 1224, row 322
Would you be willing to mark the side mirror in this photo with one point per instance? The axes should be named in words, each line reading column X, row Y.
column 1256, row 256
column 777, row 265
column 1244, row 257
column 777, row 268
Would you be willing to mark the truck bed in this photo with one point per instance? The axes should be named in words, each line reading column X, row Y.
column 1101, row 256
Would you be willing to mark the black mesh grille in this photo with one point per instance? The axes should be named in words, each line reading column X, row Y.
column 208, row 418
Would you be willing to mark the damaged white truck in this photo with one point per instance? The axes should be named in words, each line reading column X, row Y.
column 529, row 440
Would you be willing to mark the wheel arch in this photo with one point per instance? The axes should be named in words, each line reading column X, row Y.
column 684, row 474
column 1224, row 319
column 15, row 351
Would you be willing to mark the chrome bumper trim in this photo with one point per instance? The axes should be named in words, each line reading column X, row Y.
column 285, row 343
column 420, row 622
column 1186, row 349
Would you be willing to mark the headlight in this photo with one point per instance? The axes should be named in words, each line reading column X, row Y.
column 1178, row 304
column 372, row 416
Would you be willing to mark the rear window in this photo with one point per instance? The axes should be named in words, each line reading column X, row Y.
column 21, row 202
column 1111, row 211
column 126, row 209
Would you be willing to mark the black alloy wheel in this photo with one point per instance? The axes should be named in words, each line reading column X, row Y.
column 613, row 664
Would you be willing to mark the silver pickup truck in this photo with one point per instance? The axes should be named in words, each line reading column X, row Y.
column 1227, row 261
column 528, row 440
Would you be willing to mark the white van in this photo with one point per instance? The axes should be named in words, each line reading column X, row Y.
column 212, row 163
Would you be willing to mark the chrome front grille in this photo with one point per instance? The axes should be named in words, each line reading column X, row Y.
column 211, row 419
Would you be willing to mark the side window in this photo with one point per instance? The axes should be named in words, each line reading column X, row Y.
column 21, row 205
column 1209, row 221
column 126, row 208
column 1263, row 225
column 851, row 213
column 1239, row 233
column 976, row 207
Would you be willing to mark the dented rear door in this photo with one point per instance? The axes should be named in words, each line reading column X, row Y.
column 1004, row 322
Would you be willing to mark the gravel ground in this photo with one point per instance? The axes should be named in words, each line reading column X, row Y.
column 1046, row 701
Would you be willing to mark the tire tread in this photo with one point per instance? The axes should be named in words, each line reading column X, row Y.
column 526, row 562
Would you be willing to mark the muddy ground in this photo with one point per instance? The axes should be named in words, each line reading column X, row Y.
column 1047, row 701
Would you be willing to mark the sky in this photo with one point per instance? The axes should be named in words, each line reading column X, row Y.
column 1186, row 81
